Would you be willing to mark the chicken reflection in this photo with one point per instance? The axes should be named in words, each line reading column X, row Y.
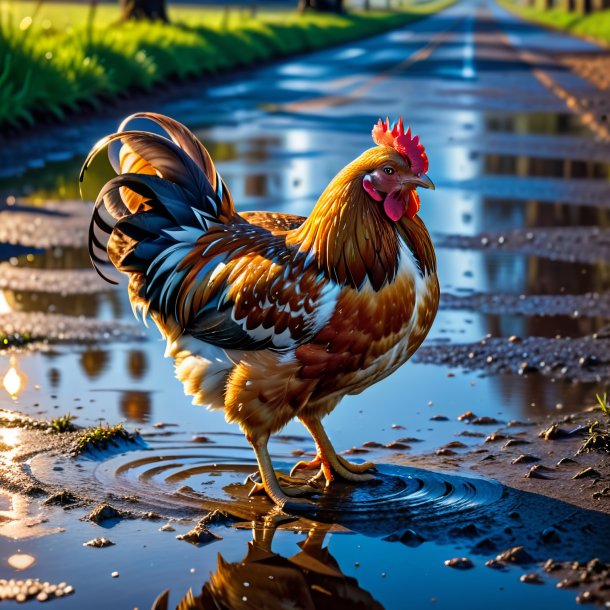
column 263, row 580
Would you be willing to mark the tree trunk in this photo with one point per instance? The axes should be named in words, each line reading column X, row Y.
column 152, row 10
column 322, row 6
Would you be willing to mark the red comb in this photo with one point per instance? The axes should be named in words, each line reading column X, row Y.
column 401, row 140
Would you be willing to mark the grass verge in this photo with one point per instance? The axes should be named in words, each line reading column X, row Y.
column 595, row 25
column 56, row 58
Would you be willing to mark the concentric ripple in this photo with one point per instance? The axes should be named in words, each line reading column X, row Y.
column 176, row 478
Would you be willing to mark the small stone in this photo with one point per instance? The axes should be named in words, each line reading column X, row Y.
column 514, row 442
column 99, row 543
column 200, row 439
column 550, row 535
column 168, row 527
column 459, row 563
column 514, row 339
column 552, row 432
column 456, row 445
column 485, row 421
column 588, row 597
column 494, row 564
column 439, row 418
column 199, row 535
column 495, row 437
column 397, row 446
column 372, row 445
column 516, row 554
column 566, row 461
column 531, row 579
column 355, row 451
column 115, row 575
column 467, row 416
column 587, row 472
column 536, row 472
column 567, row 583
column 103, row 512
column 445, row 452
column 525, row 458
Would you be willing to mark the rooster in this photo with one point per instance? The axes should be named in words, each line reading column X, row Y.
column 272, row 316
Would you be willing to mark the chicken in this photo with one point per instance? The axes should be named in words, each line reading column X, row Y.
column 272, row 316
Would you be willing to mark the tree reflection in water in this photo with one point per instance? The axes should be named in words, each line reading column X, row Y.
column 263, row 580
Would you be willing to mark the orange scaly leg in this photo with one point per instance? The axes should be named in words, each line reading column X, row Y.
column 328, row 460
column 282, row 496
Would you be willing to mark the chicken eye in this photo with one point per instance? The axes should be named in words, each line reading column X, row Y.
column 388, row 170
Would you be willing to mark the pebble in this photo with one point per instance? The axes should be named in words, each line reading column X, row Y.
column 516, row 554
column 525, row 458
column 115, row 575
column 459, row 563
column 531, row 578
column 587, row 472
column 99, row 543
column 535, row 472
column 22, row 590
column 467, row 416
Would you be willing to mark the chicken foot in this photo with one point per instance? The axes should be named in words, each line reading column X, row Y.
column 284, row 497
column 328, row 461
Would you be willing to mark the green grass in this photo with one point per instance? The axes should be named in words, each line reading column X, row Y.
column 100, row 438
column 63, row 423
column 598, row 437
column 55, row 58
column 595, row 25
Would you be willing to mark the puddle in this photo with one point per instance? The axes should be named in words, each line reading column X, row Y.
column 532, row 166
column 541, row 123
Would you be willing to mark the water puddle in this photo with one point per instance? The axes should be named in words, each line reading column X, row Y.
column 541, row 123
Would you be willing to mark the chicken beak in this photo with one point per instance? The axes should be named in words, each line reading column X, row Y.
column 422, row 180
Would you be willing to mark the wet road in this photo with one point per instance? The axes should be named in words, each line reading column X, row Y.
column 503, row 123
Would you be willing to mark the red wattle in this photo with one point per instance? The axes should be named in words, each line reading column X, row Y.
column 394, row 206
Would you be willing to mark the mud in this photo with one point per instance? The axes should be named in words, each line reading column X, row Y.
column 591, row 304
column 583, row 359
column 571, row 244
column 56, row 281
column 41, row 329
column 46, row 227
column 557, row 456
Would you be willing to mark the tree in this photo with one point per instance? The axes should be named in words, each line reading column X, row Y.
column 144, row 9
column 327, row 6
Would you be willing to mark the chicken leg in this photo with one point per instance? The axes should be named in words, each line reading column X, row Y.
column 327, row 459
column 284, row 497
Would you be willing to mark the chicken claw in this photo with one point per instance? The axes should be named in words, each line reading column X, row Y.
column 329, row 462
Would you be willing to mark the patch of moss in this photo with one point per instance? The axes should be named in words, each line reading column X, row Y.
column 14, row 340
column 598, row 438
column 100, row 438
column 63, row 423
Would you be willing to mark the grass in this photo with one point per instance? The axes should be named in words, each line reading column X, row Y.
column 56, row 58
column 63, row 423
column 100, row 438
column 595, row 25
column 598, row 438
